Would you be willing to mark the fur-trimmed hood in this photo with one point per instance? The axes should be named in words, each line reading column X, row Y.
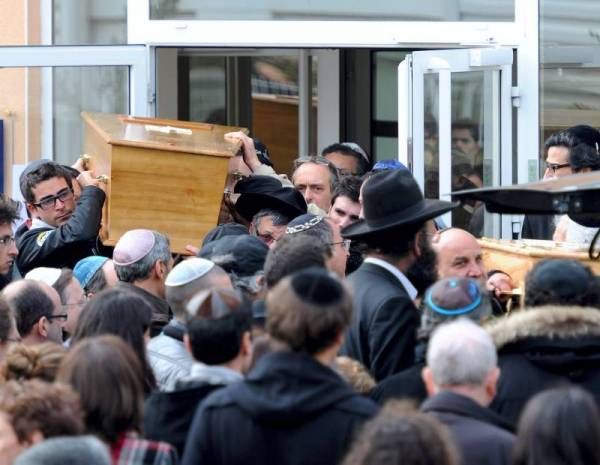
column 549, row 322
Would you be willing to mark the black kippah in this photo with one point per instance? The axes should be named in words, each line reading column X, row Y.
column 316, row 286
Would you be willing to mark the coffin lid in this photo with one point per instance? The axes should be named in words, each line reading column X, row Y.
column 164, row 134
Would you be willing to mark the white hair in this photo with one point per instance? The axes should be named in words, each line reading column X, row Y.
column 460, row 353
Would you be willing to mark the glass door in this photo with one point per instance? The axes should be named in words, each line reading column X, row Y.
column 47, row 87
column 455, row 127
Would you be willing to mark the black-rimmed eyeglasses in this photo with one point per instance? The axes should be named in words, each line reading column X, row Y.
column 7, row 240
column 50, row 202
column 554, row 167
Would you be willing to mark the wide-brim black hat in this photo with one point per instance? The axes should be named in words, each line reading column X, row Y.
column 260, row 192
column 392, row 200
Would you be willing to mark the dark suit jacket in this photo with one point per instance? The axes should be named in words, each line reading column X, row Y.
column 382, row 335
column 538, row 227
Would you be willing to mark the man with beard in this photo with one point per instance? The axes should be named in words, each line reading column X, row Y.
column 383, row 332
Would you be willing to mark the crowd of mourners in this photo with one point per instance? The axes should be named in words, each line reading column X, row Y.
column 330, row 318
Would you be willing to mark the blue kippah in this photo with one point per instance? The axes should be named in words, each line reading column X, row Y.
column 389, row 165
column 86, row 268
column 453, row 297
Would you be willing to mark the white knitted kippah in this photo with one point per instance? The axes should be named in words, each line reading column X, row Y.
column 188, row 270
column 44, row 274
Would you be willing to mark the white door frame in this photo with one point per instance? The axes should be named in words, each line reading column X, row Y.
column 521, row 34
column 133, row 56
column 445, row 63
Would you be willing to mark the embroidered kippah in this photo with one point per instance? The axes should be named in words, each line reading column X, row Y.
column 303, row 223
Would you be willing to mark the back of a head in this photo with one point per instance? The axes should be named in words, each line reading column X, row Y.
column 560, row 426
column 561, row 282
column 88, row 271
column 190, row 277
column 308, row 310
column 460, row 353
column 29, row 303
column 53, row 409
column 122, row 313
column 452, row 298
column 117, row 311
column 217, row 321
column 399, row 435
column 350, row 149
column 6, row 320
column 66, row 450
column 311, row 225
column 40, row 361
column 294, row 253
column 137, row 251
column 108, row 377
column 9, row 210
column 584, row 156
column 584, row 134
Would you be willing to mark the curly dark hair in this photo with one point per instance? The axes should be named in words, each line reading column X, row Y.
column 39, row 361
column 35, row 405
column 401, row 435
column 9, row 210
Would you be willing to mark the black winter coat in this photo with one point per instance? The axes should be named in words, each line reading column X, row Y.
column 168, row 415
column 538, row 227
column 66, row 245
column 290, row 410
column 482, row 437
column 543, row 348
column 407, row 384
column 384, row 328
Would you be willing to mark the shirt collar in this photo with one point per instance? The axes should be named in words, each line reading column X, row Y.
column 214, row 374
column 410, row 289
column 36, row 223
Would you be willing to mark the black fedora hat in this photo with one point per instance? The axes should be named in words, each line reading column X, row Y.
column 392, row 199
column 260, row 192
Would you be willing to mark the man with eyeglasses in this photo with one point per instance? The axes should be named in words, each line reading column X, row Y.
column 38, row 312
column 9, row 213
column 69, row 290
column 62, row 231
column 328, row 232
column 558, row 149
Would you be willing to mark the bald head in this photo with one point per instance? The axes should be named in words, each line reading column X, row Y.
column 458, row 254
column 180, row 294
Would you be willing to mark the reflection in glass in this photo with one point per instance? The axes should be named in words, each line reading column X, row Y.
column 207, row 90
column 431, row 131
column 335, row 10
column 89, row 22
column 93, row 88
column 569, row 67
column 475, row 143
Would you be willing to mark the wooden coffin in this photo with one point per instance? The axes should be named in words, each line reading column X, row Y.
column 518, row 257
column 163, row 174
